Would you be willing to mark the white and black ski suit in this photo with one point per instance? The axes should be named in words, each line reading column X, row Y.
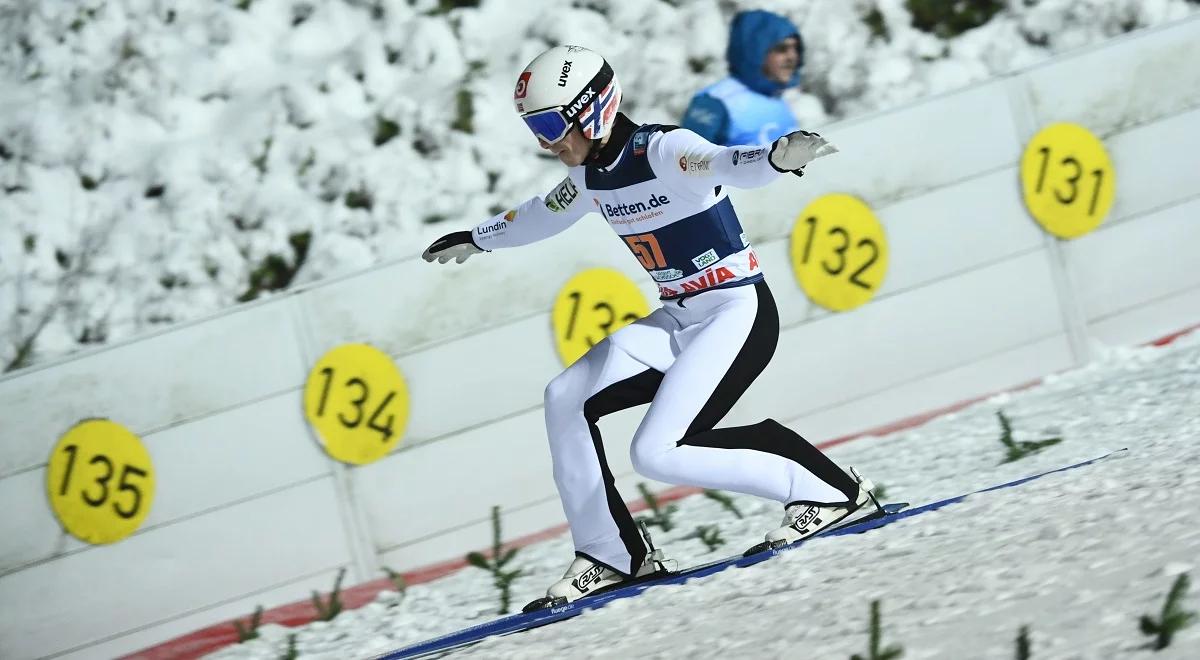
column 661, row 190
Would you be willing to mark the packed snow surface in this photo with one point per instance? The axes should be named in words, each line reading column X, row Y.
column 1077, row 556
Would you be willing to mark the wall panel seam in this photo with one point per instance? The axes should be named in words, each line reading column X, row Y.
column 929, row 374
column 158, row 622
column 168, row 523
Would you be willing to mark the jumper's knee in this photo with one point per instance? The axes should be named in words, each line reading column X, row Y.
column 651, row 460
column 564, row 392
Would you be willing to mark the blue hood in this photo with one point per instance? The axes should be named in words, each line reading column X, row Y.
column 752, row 34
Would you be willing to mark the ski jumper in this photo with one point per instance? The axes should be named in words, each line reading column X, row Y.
column 661, row 190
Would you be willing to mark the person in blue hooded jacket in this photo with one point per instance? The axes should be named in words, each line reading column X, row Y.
column 765, row 54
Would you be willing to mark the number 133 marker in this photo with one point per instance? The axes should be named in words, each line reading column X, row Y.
column 594, row 304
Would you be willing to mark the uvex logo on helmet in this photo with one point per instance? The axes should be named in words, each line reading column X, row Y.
column 571, row 111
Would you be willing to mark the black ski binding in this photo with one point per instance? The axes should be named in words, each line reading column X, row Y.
column 544, row 602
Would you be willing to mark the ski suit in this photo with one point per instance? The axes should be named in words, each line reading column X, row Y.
column 661, row 189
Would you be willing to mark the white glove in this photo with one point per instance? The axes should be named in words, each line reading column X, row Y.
column 458, row 246
column 793, row 151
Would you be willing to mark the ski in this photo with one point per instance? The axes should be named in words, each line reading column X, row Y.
column 514, row 623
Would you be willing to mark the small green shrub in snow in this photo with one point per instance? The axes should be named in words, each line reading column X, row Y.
column 397, row 580
column 710, row 536
column 495, row 564
column 250, row 630
column 951, row 18
column 1018, row 450
column 660, row 516
column 724, row 500
column 291, row 653
column 326, row 611
column 874, row 652
column 385, row 130
column 274, row 272
column 1023, row 643
column 1173, row 617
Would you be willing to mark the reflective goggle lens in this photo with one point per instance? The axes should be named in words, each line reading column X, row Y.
column 549, row 125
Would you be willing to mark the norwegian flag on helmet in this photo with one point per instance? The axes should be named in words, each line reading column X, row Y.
column 601, row 111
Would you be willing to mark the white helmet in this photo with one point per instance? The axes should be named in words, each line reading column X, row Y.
column 568, row 86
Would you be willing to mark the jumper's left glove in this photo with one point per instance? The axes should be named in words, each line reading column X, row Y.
column 793, row 151
column 458, row 246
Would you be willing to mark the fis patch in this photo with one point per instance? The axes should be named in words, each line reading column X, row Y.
column 639, row 143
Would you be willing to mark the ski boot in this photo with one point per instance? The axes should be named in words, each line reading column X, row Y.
column 585, row 577
column 802, row 520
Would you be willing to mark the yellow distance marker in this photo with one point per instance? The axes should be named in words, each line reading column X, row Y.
column 591, row 306
column 357, row 402
column 839, row 252
column 100, row 481
column 1067, row 180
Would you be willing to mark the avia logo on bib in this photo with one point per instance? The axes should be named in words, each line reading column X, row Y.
column 709, row 279
column 733, row 269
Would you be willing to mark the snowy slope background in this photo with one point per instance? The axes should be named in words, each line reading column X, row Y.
column 161, row 160
column 1077, row 556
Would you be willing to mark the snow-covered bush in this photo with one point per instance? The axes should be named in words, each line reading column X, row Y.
column 163, row 159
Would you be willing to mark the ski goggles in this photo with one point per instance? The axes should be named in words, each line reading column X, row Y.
column 549, row 124
column 552, row 124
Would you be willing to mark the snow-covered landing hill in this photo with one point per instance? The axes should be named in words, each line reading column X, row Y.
column 162, row 159
column 1077, row 556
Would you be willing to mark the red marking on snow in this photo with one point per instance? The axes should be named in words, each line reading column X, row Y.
column 1163, row 341
column 214, row 637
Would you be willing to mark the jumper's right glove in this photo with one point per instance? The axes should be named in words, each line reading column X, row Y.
column 458, row 246
column 793, row 151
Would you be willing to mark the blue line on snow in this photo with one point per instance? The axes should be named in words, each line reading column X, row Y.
column 525, row 621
